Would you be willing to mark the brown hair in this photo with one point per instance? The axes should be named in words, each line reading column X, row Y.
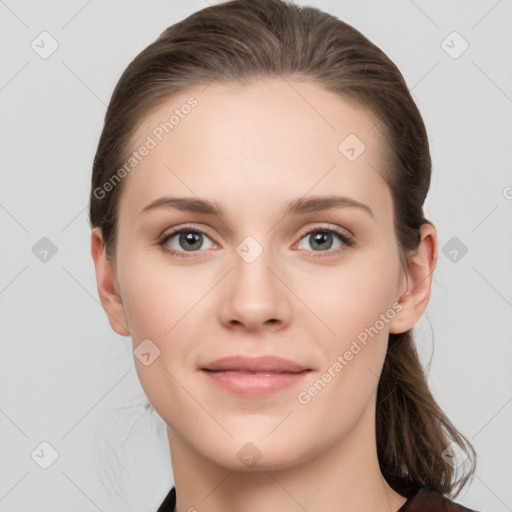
column 243, row 40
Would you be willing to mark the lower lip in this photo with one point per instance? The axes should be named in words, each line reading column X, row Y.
column 255, row 385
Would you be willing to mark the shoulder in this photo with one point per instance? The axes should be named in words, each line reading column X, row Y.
column 425, row 499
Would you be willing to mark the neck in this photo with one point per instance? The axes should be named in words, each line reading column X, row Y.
column 344, row 478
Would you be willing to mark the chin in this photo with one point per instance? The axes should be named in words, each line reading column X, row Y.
column 258, row 454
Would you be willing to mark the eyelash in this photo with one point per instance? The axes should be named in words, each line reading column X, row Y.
column 345, row 239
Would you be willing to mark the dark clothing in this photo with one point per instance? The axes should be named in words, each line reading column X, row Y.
column 426, row 500
column 420, row 500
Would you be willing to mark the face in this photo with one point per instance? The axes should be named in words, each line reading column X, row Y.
column 277, row 272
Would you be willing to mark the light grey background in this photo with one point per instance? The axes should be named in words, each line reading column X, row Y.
column 68, row 380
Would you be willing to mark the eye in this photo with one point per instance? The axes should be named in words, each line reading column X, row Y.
column 184, row 240
column 324, row 237
column 191, row 240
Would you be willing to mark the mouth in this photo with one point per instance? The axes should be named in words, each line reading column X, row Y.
column 262, row 364
column 255, row 377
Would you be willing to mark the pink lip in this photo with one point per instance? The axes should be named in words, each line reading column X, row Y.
column 255, row 377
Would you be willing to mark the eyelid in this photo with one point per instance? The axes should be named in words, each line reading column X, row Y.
column 344, row 232
column 184, row 227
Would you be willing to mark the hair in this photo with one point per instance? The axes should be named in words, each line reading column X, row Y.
column 241, row 41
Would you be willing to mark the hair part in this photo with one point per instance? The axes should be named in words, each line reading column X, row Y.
column 242, row 41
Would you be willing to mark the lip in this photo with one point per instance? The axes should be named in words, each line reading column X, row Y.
column 271, row 364
column 255, row 377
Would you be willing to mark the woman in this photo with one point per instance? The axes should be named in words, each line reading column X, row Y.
column 258, row 230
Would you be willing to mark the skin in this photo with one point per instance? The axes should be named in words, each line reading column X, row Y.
column 252, row 149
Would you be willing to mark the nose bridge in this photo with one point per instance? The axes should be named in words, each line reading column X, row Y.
column 255, row 294
column 251, row 273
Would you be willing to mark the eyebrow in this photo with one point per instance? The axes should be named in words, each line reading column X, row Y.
column 294, row 207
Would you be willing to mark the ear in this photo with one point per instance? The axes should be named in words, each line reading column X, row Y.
column 420, row 269
column 107, row 285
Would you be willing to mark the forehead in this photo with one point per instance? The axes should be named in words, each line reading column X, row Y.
column 244, row 144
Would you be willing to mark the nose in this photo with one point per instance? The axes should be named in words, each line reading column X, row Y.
column 255, row 295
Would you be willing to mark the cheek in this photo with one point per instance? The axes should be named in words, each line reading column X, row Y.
column 159, row 306
column 359, row 312
column 162, row 304
column 357, row 305
column 351, row 298
column 153, row 298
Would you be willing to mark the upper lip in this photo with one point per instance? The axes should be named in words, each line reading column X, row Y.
column 270, row 364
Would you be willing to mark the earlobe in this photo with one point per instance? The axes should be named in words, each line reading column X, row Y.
column 414, row 300
column 106, row 283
